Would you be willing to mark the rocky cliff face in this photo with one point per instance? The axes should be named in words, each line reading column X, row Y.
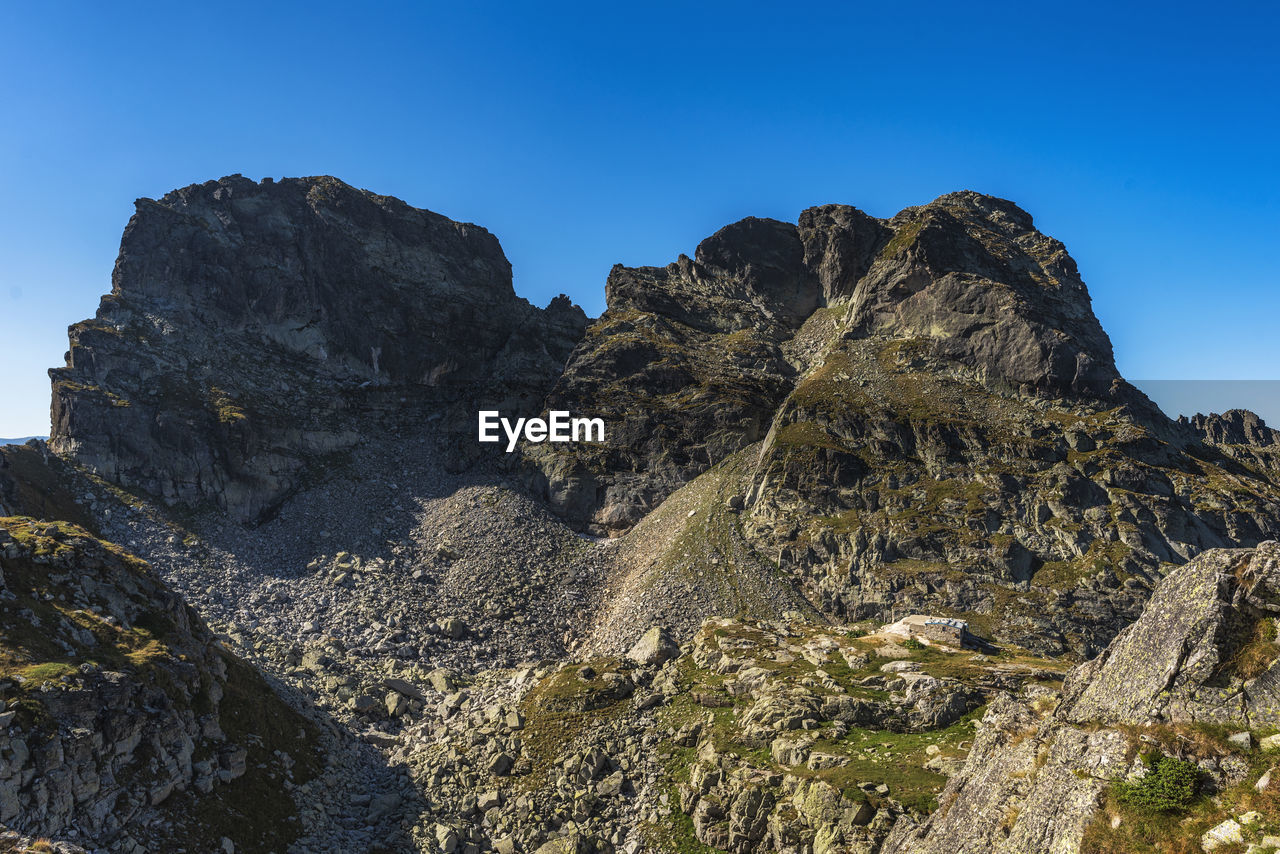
column 942, row 422
column 691, row 361
column 116, row 704
column 970, row 278
column 686, row 366
column 253, row 328
column 813, row 427
column 1202, row 655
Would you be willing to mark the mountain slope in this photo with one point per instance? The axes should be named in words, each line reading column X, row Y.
column 125, row 718
column 812, row 429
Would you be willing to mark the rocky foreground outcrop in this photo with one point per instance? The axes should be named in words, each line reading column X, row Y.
column 759, row 736
column 253, row 329
column 123, row 722
column 1200, row 663
column 1202, row 650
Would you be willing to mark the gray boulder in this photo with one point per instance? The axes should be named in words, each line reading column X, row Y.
column 1196, row 653
column 654, row 648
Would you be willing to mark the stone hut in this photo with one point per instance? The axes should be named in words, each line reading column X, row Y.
column 946, row 630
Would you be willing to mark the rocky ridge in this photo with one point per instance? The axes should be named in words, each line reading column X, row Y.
column 815, row 428
column 942, row 424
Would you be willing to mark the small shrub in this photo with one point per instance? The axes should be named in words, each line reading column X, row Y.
column 912, row 643
column 1169, row 786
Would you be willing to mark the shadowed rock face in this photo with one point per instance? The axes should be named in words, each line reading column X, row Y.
column 686, row 366
column 118, row 698
column 253, row 327
column 840, row 243
column 750, row 273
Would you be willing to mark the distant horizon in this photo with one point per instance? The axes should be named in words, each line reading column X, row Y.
column 1214, row 397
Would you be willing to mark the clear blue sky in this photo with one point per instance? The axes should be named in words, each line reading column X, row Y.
column 1144, row 136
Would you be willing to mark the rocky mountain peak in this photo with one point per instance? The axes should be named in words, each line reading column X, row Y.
column 971, row 276
column 840, row 243
column 229, row 297
column 965, row 283
column 1234, row 427
column 307, row 262
column 767, row 257
column 819, row 428
column 750, row 273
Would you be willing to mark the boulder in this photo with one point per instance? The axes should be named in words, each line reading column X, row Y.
column 654, row 648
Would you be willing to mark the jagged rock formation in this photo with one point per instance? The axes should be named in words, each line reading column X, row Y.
column 254, row 327
column 1204, row 651
column 1240, row 436
column 946, row 425
column 115, row 698
column 687, row 365
column 691, row 360
column 833, row 423
column 1234, row 427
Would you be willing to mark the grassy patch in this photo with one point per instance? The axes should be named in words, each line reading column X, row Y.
column 563, row 708
column 1177, row 830
column 45, row 635
column 1257, row 654
column 674, row 833
column 902, row 238
column 894, row 759
column 225, row 407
